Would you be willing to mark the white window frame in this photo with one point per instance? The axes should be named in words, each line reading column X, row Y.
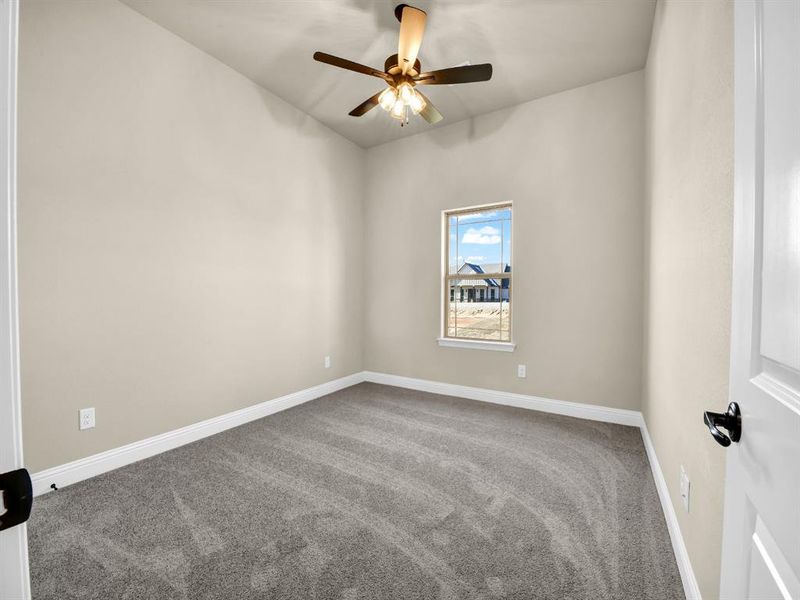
column 462, row 342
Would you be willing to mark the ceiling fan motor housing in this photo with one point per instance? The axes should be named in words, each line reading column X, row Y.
column 392, row 67
column 398, row 11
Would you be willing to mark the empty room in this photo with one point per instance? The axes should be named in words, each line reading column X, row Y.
column 359, row 300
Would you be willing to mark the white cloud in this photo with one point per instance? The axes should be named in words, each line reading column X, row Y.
column 475, row 258
column 484, row 235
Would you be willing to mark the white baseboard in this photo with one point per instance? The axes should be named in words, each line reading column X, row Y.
column 690, row 587
column 84, row 468
column 90, row 466
column 559, row 407
column 103, row 462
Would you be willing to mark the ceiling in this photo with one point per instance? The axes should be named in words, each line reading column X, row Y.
column 537, row 47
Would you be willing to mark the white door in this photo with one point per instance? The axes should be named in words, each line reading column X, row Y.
column 761, row 536
column 14, row 583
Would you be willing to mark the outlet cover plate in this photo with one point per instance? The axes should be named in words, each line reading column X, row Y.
column 685, row 487
column 86, row 418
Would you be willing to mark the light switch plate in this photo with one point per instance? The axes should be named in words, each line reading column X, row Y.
column 522, row 371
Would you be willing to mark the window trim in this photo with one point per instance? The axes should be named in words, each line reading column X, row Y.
column 475, row 344
column 468, row 342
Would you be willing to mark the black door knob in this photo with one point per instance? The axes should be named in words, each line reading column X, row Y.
column 17, row 491
column 730, row 420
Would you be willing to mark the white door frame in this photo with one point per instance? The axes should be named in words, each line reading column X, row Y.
column 14, row 576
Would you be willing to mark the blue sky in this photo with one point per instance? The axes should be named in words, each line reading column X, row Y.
column 480, row 238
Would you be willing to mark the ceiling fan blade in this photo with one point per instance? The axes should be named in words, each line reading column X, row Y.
column 429, row 113
column 465, row 74
column 365, row 106
column 412, row 27
column 343, row 63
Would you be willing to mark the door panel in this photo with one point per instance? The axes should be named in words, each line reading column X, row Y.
column 761, row 537
column 780, row 292
column 770, row 574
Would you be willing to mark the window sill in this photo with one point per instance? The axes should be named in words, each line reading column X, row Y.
column 477, row 344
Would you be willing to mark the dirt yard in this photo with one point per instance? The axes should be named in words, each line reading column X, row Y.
column 479, row 320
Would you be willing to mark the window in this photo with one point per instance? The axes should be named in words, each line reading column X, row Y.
column 477, row 281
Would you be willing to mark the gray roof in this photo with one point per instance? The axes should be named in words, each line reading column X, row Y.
column 468, row 267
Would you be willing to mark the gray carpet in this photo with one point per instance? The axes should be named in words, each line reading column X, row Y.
column 372, row 492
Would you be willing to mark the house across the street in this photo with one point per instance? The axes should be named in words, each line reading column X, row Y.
column 480, row 290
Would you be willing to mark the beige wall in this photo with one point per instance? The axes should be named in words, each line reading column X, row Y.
column 189, row 244
column 689, row 223
column 573, row 166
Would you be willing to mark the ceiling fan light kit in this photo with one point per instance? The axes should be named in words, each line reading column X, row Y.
column 403, row 73
column 397, row 102
column 387, row 98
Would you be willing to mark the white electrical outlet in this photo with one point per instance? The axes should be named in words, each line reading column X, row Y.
column 86, row 418
column 327, row 362
column 685, row 486
column 522, row 371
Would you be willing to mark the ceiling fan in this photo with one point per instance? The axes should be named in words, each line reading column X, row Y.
column 403, row 73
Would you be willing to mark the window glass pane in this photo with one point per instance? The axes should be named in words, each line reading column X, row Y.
column 479, row 309
column 479, row 243
column 505, row 320
column 452, row 244
column 454, row 291
column 476, row 319
column 506, row 259
column 504, row 213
